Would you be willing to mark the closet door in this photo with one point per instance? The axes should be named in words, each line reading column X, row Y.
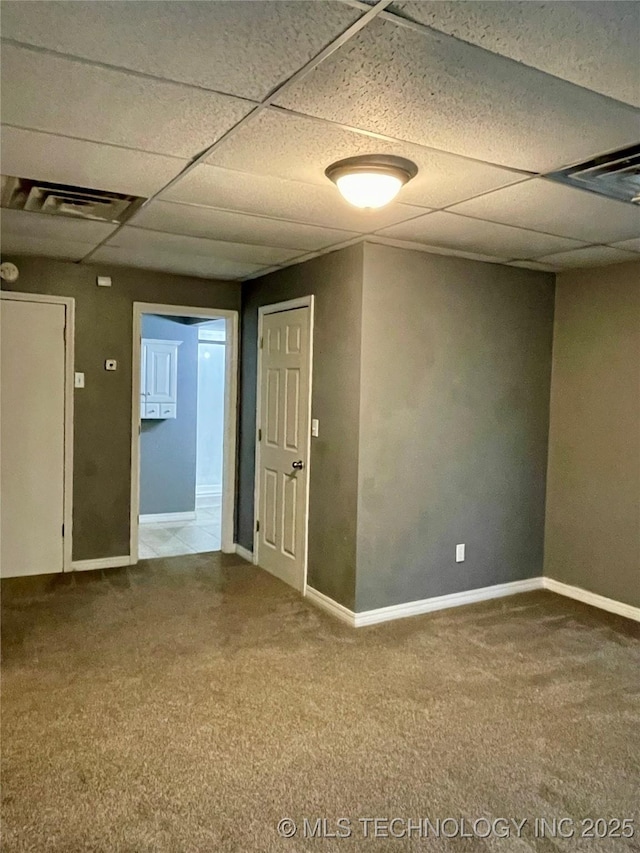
column 33, row 437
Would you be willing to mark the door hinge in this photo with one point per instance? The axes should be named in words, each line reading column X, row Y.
column 259, row 435
column 257, row 526
column 261, row 343
column 63, row 530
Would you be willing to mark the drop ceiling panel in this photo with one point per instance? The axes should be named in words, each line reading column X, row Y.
column 44, row 226
column 290, row 146
column 21, row 244
column 547, row 206
column 473, row 235
column 437, row 91
column 140, row 239
column 236, row 227
column 592, row 44
column 591, row 257
column 59, row 159
column 75, row 99
column 269, row 196
column 196, row 265
column 243, row 48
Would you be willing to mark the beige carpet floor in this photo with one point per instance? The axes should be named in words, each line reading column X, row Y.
column 189, row 704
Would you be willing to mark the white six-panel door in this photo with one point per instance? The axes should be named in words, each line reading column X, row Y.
column 283, row 437
column 33, row 437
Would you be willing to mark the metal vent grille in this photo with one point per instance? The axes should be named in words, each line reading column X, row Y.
column 65, row 200
column 615, row 175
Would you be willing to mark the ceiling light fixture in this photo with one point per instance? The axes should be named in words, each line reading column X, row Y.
column 372, row 180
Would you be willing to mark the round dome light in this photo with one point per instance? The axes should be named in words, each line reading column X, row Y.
column 372, row 180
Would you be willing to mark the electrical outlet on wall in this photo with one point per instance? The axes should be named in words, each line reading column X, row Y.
column 460, row 553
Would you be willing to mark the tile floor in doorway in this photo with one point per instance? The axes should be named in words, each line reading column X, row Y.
column 171, row 539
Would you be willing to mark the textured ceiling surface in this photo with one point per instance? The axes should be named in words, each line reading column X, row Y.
column 224, row 115
column 532, row 32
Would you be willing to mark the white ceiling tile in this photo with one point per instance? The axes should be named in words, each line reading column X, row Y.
column 474, row 235
column 140, row 239
column 58, row 159
column 290, row 146
column 432, row 89
column 243, row 48
column 46, row 226
column 21, row 244
column 269, row 196
column 592, row 44
column 594, row 256
column 632, row 245
column 236, row 227
column 200, row 266
column 544, row 205
column 62, row 96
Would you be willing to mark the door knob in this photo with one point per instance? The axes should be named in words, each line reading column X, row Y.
column 299, row 465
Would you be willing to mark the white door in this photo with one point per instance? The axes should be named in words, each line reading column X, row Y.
column 33, row 438
column 283, row 435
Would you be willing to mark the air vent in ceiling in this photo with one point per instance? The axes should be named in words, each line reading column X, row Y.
column 64, row 200
column 615, row 175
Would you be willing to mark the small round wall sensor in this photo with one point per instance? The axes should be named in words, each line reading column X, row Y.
column 9, row 272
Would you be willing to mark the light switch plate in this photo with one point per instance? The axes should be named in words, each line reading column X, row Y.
column 78, row 380
column 315, row 427
column 460, row 553
column 111, row 364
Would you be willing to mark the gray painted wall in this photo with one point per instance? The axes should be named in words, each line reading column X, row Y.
column 456, row 364
column 102, row 435
column 168, row 447
column 593, row 496
column 336, row 282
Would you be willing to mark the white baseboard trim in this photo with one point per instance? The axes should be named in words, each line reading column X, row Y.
column 208, row 491
column 325, row 603
column 592, row 598
column 101, row 563
column 425, row 605
column 442, row 602
column 245, row 553
column 164, row 517
column 472, row 596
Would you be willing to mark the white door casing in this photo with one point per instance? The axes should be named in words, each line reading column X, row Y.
column 37, row 427
column 282, row 446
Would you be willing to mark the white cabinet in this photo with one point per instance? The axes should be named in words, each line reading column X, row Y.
column 159, row 378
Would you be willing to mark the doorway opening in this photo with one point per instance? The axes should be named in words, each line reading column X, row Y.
column 183, row 448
